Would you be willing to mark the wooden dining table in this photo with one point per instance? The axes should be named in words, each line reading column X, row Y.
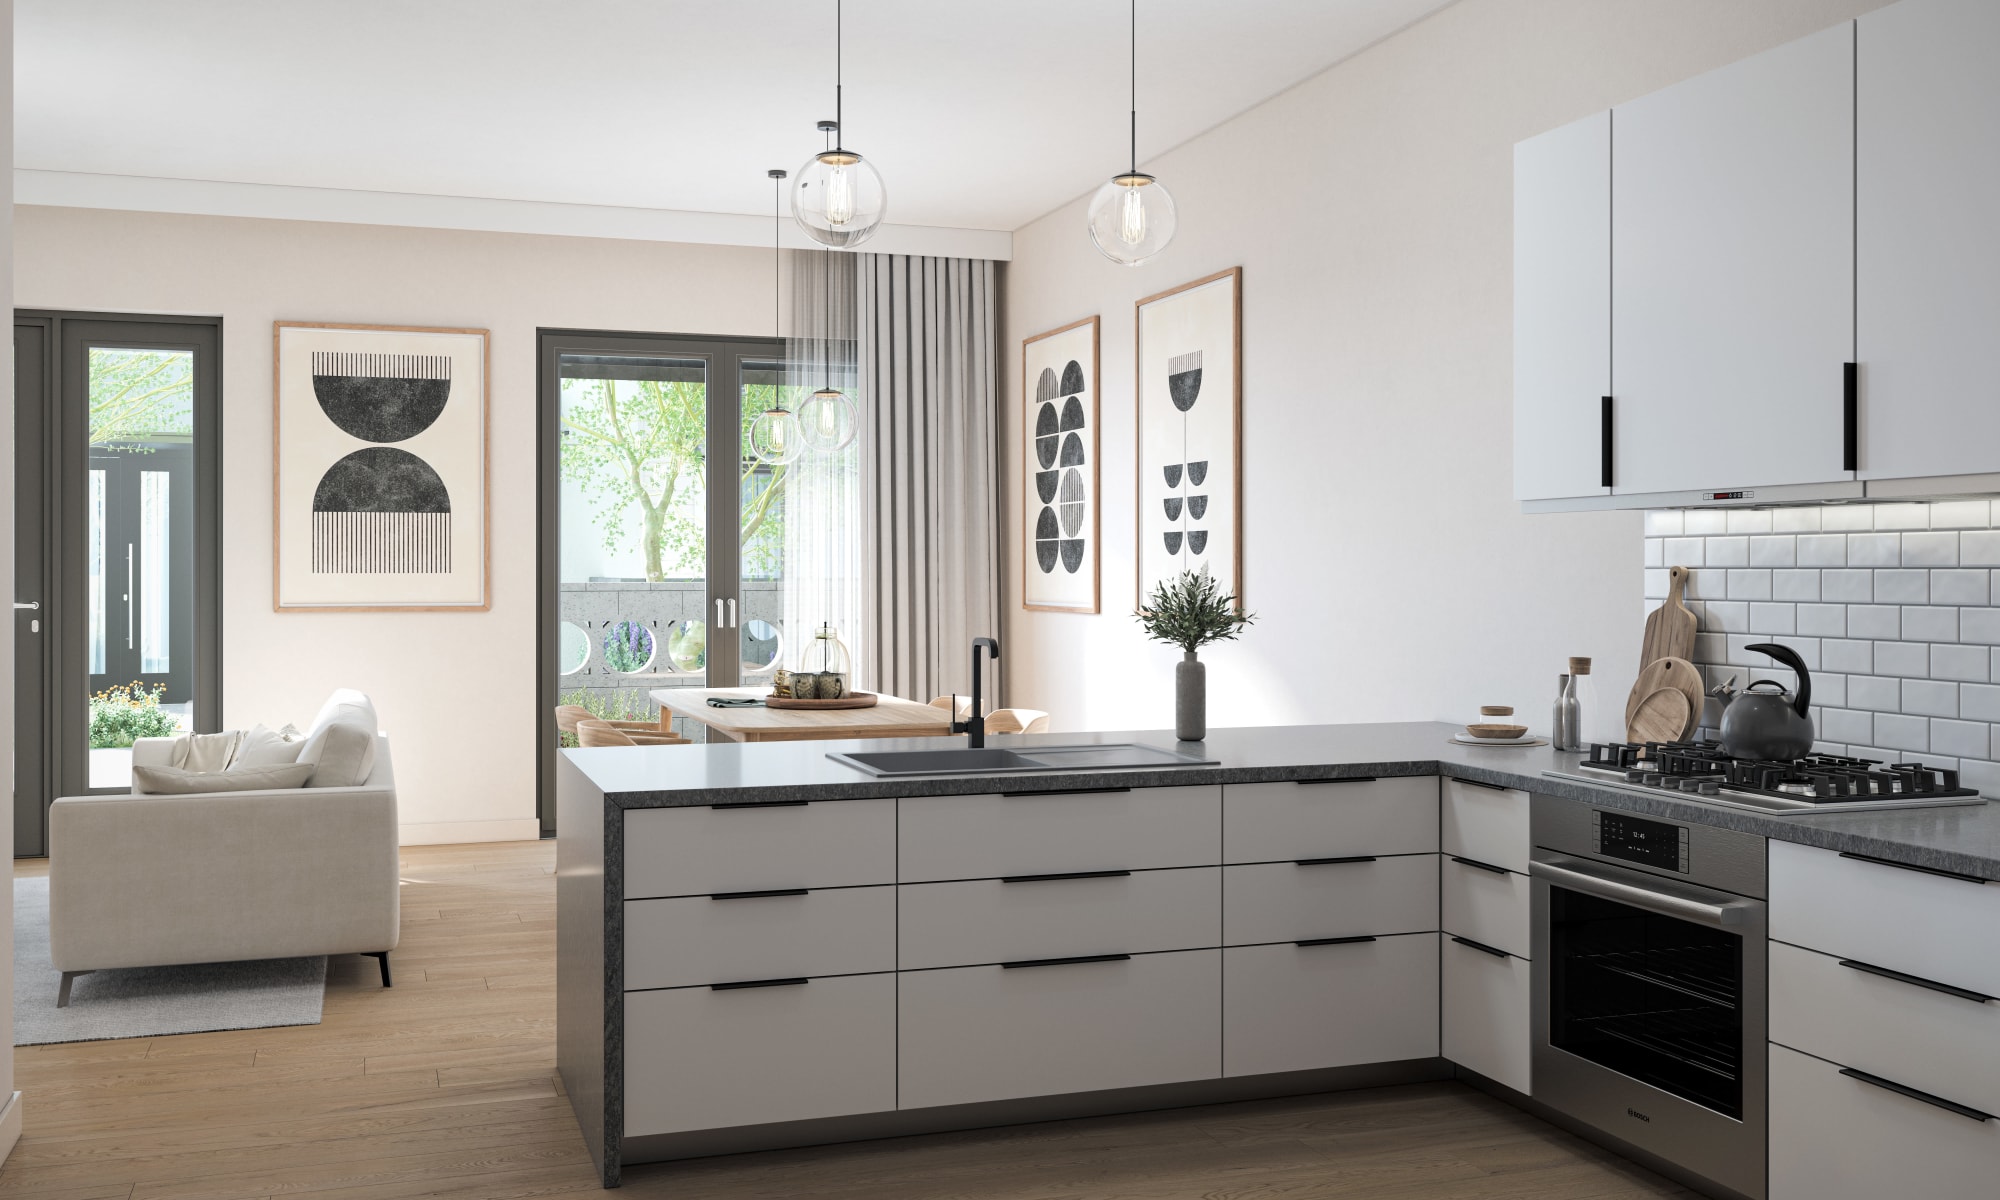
column 890, row 717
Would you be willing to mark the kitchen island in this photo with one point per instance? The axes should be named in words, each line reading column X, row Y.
column 761, row 947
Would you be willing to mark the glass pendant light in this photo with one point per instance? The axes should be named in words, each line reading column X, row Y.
column 774, row 435
column 826, row 420
column 839, row 200
column 1132, row 217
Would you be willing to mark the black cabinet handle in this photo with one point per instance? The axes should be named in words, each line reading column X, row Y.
column 1890, row 1085
column 1480, row 783
column 757, row 895
column 1342, row 779
column 1850, row 416
column 1887, row 862
column 1064, row 962
column 1065, row 875
column 1332, row 862
column 1606, row 441
column 756, row 983
column 1918, row 981
column 1346, row 941
column 1473, row 862
column 1482, row 947
column 764, row 804
column 1105, row 791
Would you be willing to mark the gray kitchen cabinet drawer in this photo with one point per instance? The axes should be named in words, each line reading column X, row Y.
column 1908, row 920
column 698, row 1058
column 1287, row 1007
column 973, row 921
column 1484, row 904
column 1271, row 822
column 1900, row 1029
column 995, row 835
column 968, row 1034
column 702, row 940
column 1835, row 1137
column 1284, row 902
column 1483, row 823
column 700, row 851
column 1486, row 1024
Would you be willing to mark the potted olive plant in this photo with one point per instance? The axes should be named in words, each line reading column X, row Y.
column 1190, row 611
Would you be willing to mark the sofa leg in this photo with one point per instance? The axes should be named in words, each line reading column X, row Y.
column 62, row 993
column 382, row 957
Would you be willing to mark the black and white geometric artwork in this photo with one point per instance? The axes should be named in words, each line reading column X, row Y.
column 1059, row 371
column 1189, row 457
column 381, row 472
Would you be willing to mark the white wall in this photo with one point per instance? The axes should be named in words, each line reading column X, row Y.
column 10, row 1121
column 456, row 691
column 1371, row 210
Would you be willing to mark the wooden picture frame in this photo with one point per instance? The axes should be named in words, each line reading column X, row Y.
column 1176, row 526
column 370, row 465
column 1061, row 500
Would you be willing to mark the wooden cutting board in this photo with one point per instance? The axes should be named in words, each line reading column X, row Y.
column 1671, row 627
column 1678, row 674
column 1659, row 717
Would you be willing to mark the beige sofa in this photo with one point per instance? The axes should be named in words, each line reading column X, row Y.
column 156, row 880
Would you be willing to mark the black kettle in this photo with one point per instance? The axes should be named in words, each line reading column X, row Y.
column 1764, row 721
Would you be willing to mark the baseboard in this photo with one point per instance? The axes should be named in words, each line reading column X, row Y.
column 447, row 833
column 10, row 1126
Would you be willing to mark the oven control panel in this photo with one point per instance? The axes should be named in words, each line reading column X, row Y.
column 1657, row 844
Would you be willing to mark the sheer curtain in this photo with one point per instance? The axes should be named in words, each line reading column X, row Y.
column 823, row 491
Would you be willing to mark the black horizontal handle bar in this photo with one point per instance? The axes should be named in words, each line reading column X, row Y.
column 756, row 983
column 1890, row 862
column 1064, row 962
column 1070, row 792
column 1064, row 875
column 1346, row 941
column 1890, row 1085
column 1342, row 779
column 1918, row 981
column 1332, row 862
column 1473, row 862
column 1482, row 947
column 1491, row 787
column 757, row 895
column 764, row 804
column 1850, row 416
column 1607, row 442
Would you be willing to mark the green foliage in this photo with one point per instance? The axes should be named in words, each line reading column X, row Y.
column 120, row 716
column 1190, row 611
column 616, row 706
column 140, row 395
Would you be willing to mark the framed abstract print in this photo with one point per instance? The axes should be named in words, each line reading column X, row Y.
column 1060, row 518
column 1190, row 432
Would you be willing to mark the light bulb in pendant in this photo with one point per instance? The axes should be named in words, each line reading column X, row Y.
column 839, row 199
column 839, row 196
column 826, row 421
column 1131, row 218
column 774, row 437
column 1132, row 229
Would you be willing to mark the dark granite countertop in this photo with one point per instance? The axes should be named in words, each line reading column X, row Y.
column 1964, row 839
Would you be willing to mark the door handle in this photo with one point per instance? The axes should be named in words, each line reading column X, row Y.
column 30, row 605
column 128, row 595
column 732, row 612
column 718, row 614
column 1725, row 912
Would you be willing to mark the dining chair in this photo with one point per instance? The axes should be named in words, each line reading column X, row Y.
column 593, row 732
column 1017, row 720
column 568, row 715
column 960, row 707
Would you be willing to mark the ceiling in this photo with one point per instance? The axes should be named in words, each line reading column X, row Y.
column 980, row 114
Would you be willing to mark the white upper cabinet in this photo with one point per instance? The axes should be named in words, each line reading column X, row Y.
column 1928, row 238
column 1562, row 309
column 1733, row 273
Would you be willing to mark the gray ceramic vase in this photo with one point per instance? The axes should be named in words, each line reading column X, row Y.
column 1190, row 699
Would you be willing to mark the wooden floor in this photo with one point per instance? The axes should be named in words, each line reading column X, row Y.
column 445, row 1086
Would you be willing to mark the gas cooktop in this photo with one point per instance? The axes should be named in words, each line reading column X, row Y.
column 1700, row 771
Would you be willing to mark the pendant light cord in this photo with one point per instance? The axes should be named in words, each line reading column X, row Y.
column 840, row 117
column 1135, row 85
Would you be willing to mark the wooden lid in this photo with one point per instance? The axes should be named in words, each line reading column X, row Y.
column 1579, row 666
column 1496, row 710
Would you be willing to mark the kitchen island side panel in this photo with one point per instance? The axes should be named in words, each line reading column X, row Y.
column 587, row 999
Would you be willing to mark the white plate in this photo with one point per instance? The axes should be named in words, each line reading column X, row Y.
column 1464, row 739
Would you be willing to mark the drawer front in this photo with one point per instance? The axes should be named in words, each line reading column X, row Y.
column 1935, row 1042
column 1273, row 822
column 1486, row 906
column 697, row 940
column 1295, row 1008
column 986, row 837
column 1285, row 902
column 990, row 1033
column 702, row 1059
column 1483, row 823
column 1910, row 921
column 977, row 921
column 700, row 851
column 1837, row 1138
column 1485, row 1025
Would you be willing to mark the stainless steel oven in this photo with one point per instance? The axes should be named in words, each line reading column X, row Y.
column 1649, row 986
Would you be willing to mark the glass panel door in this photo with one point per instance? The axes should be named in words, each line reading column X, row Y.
column 760, row 625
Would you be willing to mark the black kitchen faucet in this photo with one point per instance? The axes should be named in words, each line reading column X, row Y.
column 974, row 725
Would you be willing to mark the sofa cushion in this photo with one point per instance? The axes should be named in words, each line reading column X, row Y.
column 340, row 746
column 264, row 747
column 173, row 781
column 204, row 751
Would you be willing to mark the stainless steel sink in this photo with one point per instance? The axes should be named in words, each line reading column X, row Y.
column 962, row 760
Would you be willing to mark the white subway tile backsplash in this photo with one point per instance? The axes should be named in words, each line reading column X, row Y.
column 1874, row 621
column 1930, row 624
column 1806, row 648
column 1963, row 738
column 1830, row 689
column 1728, row 552
column 1803, row 519
column 1774, row 618
column 1656, row 585
column 1849, row 656
column 1822, row 550
column 1823, row 620
column 1874, row 549
column 1958, row 586
column 1979, row 548
column 1966, row 663
column 1980, row 625
column 1902, row 516
column 1908, row 660
column 1774, row 550
column 1902, row 586
column 1656, row 550
column 1847, row 587
column 1705, row 522
column 1683, row 552
column 1711, row 648
column 1930, row 549
column 1753, row 584
column 1727, row 616
column 1706, row 584
column 1982, row 775
column 1930, row 698
column 1979, row 702
column 1846, row 725
column 1873, row 691
column 1749, row 520
column 1846, row 517
column 1961, row 514
column 1663, row 522
column 1902, row 733
column 1795, row 585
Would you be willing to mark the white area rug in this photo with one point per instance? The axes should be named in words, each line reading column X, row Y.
column 150, row 1001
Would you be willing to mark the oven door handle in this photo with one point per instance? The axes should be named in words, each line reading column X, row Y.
column 1725, row 914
